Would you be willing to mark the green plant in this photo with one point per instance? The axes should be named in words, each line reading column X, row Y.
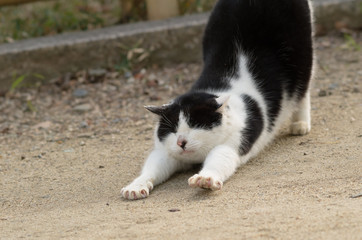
column 191, row 6
column 29, row 106
column 351, row 42
column 52, row 17
column 48, row 18
column 18, row 81
column 132, row 56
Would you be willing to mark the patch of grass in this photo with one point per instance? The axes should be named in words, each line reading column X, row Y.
column 54, row 17
column 132, row 56
column 30, row 107
column 195, row 6
column 18, row 81
column 351, row 42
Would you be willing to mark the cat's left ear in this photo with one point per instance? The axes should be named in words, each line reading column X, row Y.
column 158, row 110
column 223, row 102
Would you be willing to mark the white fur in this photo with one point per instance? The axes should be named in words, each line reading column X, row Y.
column 216, row 149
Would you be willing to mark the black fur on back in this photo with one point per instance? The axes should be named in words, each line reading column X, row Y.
column 276, row 37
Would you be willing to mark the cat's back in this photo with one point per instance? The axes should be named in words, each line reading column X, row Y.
column 274, row 33
column 259, row 21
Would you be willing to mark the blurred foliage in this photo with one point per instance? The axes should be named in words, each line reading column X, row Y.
column 53, row 17
column 131, row 56
column 18, row 81
column 351, row 42
column 195, row 6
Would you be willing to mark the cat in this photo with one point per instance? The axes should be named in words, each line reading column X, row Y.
column 258, row 64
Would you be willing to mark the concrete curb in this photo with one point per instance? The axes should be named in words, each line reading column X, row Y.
column 169, row 41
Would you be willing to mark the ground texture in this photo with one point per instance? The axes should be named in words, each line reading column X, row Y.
column 67, row 149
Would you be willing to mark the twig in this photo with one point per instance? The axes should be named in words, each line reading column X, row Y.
column 356, row 196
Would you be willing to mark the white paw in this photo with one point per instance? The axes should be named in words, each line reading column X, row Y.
column 299, row 128
column 137, row 190
column 205, row 182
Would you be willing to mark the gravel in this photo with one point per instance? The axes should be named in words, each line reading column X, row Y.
column 94, row 102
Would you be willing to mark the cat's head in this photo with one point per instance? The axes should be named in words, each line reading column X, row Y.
column 190, row 125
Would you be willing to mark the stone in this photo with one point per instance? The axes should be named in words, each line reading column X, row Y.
column 83, row 108
column 43, row 125
column 333, row 86
column 83, row 124
column 80, row 93
column 322, row 93
column 100, row 72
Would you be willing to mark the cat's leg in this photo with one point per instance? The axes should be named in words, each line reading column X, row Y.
column 301, row 120
column 157, row 169
column 219, row 165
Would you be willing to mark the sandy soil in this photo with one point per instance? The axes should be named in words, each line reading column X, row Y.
column 62, row 166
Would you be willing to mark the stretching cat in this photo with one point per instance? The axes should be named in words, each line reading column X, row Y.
column 258, row 60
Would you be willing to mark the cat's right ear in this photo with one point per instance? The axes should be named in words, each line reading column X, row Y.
column 223, row 102
column 158, row 110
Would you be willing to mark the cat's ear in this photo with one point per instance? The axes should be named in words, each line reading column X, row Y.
column 223, row 102
column 158, row 110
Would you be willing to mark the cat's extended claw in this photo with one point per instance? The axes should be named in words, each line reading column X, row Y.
column 137, row 191
column 299, row 128
column 204, row 182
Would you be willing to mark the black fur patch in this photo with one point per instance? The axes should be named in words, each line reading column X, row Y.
column 275, row 35
column 168, row 123
column 254, row 125
column 200, row 110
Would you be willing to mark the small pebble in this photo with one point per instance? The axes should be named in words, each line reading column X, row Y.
column 127, row 75
column 100, row 72
column 82, row 143
column 83, row 124
column 80, row 93
column 333, row 86
column 43, row 125
column 322, row 93
column 83, row 108
column 116, row 120
column 96, row 75
column 71, row 150
column 86, row 135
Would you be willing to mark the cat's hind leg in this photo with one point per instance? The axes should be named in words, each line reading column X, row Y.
column 219, row 165
column 301, row 120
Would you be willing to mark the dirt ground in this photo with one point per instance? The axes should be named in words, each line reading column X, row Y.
column 67, row 149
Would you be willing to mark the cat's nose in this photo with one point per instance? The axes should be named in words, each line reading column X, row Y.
column 181, row 141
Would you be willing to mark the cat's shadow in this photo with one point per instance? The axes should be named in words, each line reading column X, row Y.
column 178, row 185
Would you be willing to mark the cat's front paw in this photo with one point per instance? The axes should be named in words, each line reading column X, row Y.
column 299, row 128
column 136, row 191
column 205, row 182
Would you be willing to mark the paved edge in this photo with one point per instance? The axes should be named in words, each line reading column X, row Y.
column 169, row 41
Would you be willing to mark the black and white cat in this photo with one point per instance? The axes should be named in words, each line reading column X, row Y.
column 258, row 62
